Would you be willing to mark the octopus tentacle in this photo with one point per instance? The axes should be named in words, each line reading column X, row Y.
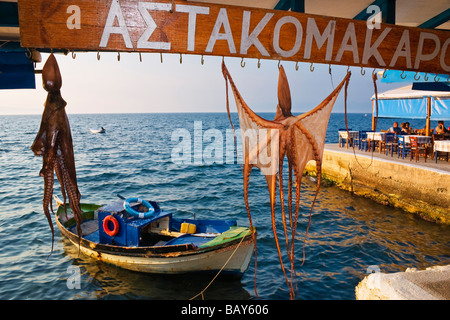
column 48, row 193
column 73, row 194
column 246, row 173
column 271, row 182
column 59, row 175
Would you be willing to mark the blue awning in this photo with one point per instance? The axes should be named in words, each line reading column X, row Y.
column 16, row 69
column 412, row 104
column 390, row 76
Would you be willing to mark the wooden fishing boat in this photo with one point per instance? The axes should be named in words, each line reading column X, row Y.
column 156, row 242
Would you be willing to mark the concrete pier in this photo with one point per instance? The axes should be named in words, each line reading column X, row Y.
column 419, row 188
column 429, row 284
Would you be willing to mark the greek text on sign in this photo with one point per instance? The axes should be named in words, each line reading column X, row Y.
column 199, row 28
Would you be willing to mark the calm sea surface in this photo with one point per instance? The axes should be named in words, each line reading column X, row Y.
column 141, row 155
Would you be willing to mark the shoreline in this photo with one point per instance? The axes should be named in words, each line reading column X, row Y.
column 418, row 188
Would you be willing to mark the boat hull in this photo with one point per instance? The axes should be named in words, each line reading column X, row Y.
column 232, row 257
column 201, row 262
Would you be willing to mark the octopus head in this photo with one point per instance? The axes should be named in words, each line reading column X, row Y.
column 284, row 94
column 51, row 76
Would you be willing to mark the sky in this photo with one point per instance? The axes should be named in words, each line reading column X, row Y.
column 130, row 86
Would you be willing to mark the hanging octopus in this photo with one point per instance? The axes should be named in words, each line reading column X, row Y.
column 54, row 143
column 266, row 143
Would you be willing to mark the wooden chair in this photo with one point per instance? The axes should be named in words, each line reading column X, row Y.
column 345, row 140
column 403, row 147
column 361, row 141
column 390, row 143
column 416, row 149
column 437, row 154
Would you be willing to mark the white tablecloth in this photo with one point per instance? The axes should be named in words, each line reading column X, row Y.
column 352, row 134
column 420, row 139
column 442, row 145
column 376, row 136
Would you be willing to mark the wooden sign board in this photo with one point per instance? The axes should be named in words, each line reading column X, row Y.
column 210, row 29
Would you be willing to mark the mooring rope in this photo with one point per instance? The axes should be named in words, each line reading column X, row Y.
column 206, row 288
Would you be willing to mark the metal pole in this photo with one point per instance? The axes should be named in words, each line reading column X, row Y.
column 428, row 125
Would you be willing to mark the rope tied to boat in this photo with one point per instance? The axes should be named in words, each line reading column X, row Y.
column 226, row 262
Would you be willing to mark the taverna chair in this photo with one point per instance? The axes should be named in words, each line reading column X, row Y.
column 416, row 149
column 390, row 143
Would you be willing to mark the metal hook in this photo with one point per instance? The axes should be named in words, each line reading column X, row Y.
column 401, row 75
column 242, row 62
column 329, row 68
column 161, row 57
column 296, row 66
column 279, row 64
column 348, row 69
column 140, row 57
column 74, row 55
column 435, row 77
column 384, row 74
column 259, row 63
column 181, row 58
column 363, row 72
column 203, row 60
column 425, row 77
column 417, row 73
column 311, row 68
column 98, row 55
column 373, row 72
column 28, row 54
column 118, row 56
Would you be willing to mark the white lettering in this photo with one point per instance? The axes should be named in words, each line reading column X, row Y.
column 298, row 37
column 420, row 56
column 74, row 21
column 181, row 153
column 115, row 12
column 312, row 31
column 444, row 66
column 247, row 40
column 350, row 34
column 198, row 142
column 151, row 25
column 192, row 11
column 375, row 19
column 372, row 50
column 213, row 153
column 222, row 20
column 399, row 52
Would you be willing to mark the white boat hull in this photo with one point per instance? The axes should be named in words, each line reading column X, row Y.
column 201, row 262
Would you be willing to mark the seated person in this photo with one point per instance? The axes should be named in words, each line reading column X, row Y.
column 395, row 128
column 405, row 128
column 440, row 129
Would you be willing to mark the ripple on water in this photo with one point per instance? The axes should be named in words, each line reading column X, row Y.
column 347, row 234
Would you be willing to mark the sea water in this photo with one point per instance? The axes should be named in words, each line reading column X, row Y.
column 349, row 236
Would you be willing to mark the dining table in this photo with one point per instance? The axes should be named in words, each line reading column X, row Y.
column 441, row 146
column 375, row 136
column 420, row 139
column 348, row 135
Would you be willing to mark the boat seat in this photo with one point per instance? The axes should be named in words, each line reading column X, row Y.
column 188, row 239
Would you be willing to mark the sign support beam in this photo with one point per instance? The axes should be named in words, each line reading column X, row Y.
column 181, row 27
